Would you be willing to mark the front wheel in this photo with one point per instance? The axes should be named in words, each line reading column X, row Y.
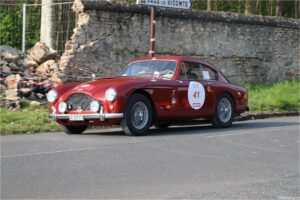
column 224, row 112
column 73, row 129
column 138, row 116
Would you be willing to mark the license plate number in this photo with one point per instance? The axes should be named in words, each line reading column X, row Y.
column 76, row 118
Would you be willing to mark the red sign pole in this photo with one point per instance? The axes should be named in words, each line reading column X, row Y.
column 152, row 33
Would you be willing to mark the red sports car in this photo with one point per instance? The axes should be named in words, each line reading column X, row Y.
column 152, row 91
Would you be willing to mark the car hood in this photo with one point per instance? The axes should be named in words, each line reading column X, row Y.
column 119, row 83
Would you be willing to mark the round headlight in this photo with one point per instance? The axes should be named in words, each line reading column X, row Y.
column 62, row 107
column 51, row 96
column 110, row 94
column 94, row 106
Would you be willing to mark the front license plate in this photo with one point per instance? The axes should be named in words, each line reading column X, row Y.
column 76, row 118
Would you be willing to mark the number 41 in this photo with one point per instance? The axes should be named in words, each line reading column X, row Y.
column 196, row 94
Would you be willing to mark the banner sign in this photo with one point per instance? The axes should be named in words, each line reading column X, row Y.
column 181, row 4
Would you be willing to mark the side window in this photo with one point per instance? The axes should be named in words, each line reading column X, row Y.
column 208, row 73
column 190, row 71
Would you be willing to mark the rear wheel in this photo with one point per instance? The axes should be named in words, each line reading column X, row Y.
column 224, row 112
column 73, row 129
column 138, row 116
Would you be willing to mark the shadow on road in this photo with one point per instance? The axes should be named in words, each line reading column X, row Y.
column 200, row 128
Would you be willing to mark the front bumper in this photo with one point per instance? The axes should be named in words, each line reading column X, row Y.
column 101, row 116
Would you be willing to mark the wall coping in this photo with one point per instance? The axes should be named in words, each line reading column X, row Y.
column 227, row 17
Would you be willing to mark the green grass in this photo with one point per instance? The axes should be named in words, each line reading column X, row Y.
column 280, row 97
column 29, row 119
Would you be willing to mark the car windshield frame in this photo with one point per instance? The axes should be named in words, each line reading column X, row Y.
column 165, row 72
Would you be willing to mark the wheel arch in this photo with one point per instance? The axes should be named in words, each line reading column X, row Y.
column 231, row 96
column 216, row 121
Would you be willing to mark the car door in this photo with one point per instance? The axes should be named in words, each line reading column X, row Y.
column 195, row 91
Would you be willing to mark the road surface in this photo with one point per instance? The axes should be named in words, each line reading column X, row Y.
column 251, row 160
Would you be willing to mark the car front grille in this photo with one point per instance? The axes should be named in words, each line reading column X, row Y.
column 79, row 102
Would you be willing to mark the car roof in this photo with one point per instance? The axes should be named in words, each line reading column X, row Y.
column 176, row 58
column 166, row 58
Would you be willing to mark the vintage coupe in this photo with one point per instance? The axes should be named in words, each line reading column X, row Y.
column 150, row 91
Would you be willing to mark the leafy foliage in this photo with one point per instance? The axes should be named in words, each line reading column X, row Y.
column 290, row 8
column 11, row 25
column 11, row 22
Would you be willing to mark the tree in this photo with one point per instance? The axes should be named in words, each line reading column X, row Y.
column 250, row 7
column 297, row 8
column 209, row 5
column 271, row 7
column 240, row 6
column 47, row 23
column 258, row 7
column 278, row 11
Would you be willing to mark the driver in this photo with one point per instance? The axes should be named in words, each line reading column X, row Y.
column 188, row 68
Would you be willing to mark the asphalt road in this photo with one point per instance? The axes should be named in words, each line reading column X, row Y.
column 252, row 160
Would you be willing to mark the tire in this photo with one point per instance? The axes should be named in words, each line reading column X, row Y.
column 224, row 112
column 138, row 116
column 162, row 126
column 73, row 129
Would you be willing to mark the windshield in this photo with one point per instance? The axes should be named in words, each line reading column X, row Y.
column 153, row 68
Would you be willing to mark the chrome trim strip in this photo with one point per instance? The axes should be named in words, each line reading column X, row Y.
column 101, row 116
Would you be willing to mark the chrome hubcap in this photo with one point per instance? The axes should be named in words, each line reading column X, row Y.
column 139, row 115
column 224, row 110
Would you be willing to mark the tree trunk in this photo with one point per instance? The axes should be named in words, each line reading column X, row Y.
column 278, row 8
column 271, row 7
column 47, row 29
column 297, row 9
column 258, row 7
column 209, row 5
column 240, row 6
column 250, row 7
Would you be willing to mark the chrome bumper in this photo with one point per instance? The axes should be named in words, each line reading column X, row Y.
column 101, row 116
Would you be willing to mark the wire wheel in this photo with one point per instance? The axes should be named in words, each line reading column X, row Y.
column 224, row 110
column 139, row 115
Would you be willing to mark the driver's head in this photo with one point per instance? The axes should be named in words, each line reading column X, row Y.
column 188, row 67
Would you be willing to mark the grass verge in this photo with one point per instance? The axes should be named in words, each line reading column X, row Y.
column 29, row 119
column 280, row 97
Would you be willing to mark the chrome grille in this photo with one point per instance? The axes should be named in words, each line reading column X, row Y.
column 79, row 101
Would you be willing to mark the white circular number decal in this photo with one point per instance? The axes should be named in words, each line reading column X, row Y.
column 196, row 95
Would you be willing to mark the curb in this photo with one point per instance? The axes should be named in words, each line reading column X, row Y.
column 267, row 115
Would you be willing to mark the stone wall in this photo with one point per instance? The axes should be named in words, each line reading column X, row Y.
column 245, row 48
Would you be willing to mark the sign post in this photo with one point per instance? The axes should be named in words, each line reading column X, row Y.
column 152, row 33
column 180, row 4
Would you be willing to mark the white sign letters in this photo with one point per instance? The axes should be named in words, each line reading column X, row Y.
column 181, row 4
